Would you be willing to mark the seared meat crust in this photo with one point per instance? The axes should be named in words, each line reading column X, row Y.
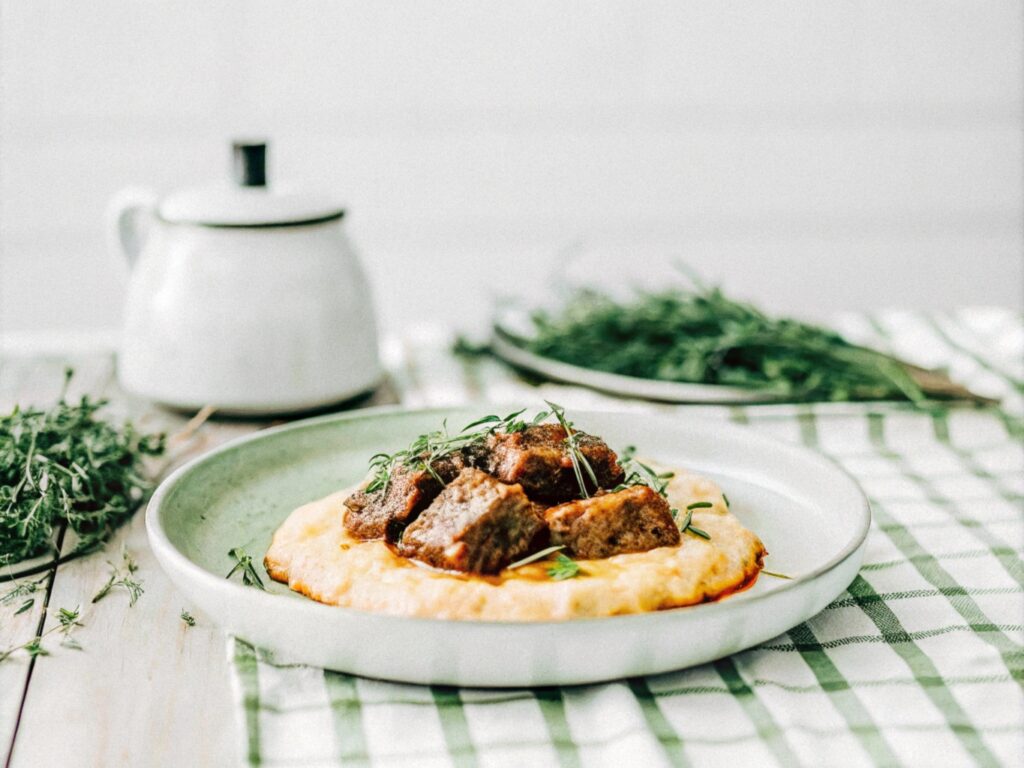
column 538, row 459
column 384, row 514
column 476, row 524
column 635, row 519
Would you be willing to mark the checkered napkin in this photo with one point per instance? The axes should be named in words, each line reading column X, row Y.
column 919, row 662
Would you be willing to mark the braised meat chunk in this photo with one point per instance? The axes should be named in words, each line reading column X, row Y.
column 635, row 519
column 538, row 459
column 384, row 514
column 476, row 524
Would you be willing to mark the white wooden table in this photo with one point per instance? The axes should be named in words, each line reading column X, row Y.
column 145, row 689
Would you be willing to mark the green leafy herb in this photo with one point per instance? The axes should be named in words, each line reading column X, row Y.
column 67, row 623
column 427, row 449
column 688, row 527
column 188, row 618
column 576, row 456
column 699, row 335
column 700, row 505
column 564, row 568
column 638, row 473
column 67, row 465
column 244, row 564
column 465, row 347
column 25, row 606
column 22, row 589
column 726, row 500
column 535, row 557
column 122, row 576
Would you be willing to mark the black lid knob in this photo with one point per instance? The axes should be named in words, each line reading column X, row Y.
column 249, row 161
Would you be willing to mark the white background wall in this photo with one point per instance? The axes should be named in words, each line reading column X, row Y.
column 813, row 155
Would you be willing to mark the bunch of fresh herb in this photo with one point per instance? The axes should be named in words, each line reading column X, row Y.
column 67, row 465
column 702, row 336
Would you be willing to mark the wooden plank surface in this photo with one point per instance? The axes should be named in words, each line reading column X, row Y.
column 145, row 689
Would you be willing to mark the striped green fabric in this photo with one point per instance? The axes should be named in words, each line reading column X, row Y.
column 919, row 662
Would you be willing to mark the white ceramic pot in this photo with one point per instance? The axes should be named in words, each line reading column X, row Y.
column 247, row 298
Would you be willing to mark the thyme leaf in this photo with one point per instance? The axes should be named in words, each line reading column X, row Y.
column 564, row 568
column 243, row 563
column 534, row 557
column 123, row 577
column 188, row 618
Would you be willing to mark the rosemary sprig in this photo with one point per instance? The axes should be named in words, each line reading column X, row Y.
column 579, row 460
column 122, row 576
column 688, row 526
column 67, row 465
column 427, row 449
column 564, row 568
column 535, row 557
column 243, row 563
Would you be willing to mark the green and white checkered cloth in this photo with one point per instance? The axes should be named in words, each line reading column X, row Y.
column 919, row 662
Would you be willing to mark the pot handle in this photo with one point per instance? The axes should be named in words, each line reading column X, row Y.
column 130, row 215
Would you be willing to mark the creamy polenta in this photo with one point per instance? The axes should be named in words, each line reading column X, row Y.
column 314, row 554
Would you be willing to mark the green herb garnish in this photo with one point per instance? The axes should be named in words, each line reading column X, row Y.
column 67, row 623
column 22, row 589
column 244, row 564
column 122, row 576
column 427, row 449
column 638, row 473
column 67, row 465
column 688, row 526
column 564, row 568
column 700, row 505
column 576, row 456
column 534, row 557
column 188, row 618
column 701, row 336
column 776, row 575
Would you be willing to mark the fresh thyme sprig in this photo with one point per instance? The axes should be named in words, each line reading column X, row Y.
column 188, row 618
column 535, row 557
column 427, row 449
column 67, row 465
column 122, row 576
column 579, row 460
column 67, row 623
column 638, row 473
column 564, row 568
column 243, row 563
column 24, row 589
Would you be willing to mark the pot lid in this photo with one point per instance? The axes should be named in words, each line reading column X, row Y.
column 249, row 201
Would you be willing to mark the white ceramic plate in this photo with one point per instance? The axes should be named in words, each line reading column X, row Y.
column 811, row 516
